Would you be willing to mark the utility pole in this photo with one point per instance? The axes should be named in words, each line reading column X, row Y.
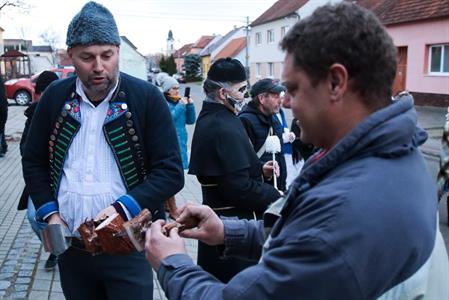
column 247, row 28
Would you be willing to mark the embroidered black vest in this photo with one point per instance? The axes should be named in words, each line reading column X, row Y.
column 120, row 134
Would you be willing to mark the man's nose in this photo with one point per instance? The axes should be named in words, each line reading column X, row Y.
column 98, row 65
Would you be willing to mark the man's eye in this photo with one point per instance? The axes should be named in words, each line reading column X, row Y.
column 242, row 89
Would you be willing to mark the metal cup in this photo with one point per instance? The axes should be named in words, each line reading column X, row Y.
column 56, row 238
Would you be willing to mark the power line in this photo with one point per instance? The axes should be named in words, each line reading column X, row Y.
column 185, row 17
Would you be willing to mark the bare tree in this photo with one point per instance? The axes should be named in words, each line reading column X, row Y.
column 20, row 4
column 51, row 38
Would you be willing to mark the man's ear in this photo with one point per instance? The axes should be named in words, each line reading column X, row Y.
column 222, row 93
column 338, row 81
column 69, row 52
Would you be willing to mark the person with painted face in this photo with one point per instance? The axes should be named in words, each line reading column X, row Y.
column 225, row 163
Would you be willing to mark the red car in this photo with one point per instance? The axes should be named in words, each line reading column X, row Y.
column 22, row 89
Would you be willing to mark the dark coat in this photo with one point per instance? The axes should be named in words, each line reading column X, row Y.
column 144, row 124
column 230, row 173
column 29, row 112
column 257, row 126
column 300, row 150
column 3, row 106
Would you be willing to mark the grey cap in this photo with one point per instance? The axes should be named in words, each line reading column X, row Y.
column 93, row 25
column 168, row 82
column 267, row 85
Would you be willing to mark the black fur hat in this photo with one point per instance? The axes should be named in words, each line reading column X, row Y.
column 227, row 70
column 44, row 80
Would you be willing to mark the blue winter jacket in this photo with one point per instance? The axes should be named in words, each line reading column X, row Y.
column 356, row 222
column 182, row 114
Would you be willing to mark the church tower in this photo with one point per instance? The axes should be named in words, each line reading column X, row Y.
column 170, row 43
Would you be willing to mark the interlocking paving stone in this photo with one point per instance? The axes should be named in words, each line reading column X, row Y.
column 56, row 296
column 38, row 295
column 26, row 280
column 4, row 284
column 41, row 285
column 18, row 295
column 20, row 287
column 6, row 275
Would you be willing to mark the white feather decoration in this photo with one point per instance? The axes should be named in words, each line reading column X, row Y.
column 273, row 146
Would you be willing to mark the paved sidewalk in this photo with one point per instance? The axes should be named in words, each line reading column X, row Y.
column 22, row 258
column 22, row 274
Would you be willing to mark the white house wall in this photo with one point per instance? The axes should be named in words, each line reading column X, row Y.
column 132, row 62
column 241, row 56
column 266, row 53
column 40, row 63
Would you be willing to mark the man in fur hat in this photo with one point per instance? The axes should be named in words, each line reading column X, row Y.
column 100, row 143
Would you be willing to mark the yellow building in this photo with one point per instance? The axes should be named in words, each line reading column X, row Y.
column 205, row 64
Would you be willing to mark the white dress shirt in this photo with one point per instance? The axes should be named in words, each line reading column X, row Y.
column 91, row 179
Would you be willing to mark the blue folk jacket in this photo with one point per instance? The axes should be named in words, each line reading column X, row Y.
column 138, row 129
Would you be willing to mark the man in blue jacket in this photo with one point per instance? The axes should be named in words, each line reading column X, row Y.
column 100, row 143
column 360, row 221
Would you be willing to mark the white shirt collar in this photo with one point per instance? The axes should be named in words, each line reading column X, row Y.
column 80, row 91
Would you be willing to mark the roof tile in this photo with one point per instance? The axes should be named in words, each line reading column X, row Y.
column 232, row 49
column 281, row 8
column 401, row 11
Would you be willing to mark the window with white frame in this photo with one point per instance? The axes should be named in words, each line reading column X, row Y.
column 439, row 59
column 284, row 30
column 258, row 38
column 258, row 74
column 270, row 70
column 270, row 36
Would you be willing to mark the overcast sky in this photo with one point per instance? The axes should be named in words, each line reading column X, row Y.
column 144, row 22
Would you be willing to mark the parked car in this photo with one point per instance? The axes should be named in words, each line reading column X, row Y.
column 179, row 77
column 22, row 89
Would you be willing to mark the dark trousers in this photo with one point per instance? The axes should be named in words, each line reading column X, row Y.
column 3, row 145
column 111, row 277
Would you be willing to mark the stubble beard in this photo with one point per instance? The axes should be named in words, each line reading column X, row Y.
column 101, row 91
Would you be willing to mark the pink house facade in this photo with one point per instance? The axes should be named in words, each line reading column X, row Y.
column 420, row 30
column 423, row 50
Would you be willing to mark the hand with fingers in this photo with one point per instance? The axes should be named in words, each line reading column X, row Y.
column 269, row 168
column 56, row 219
column 104, row 213
column 209, row 227
column 159, row 246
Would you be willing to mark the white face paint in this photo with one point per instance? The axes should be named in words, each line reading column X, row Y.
column 235, row 94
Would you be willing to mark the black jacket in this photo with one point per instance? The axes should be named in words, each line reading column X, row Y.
column 3, row 106
column 231, row 178
column 140, row 127
column 257, row 126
